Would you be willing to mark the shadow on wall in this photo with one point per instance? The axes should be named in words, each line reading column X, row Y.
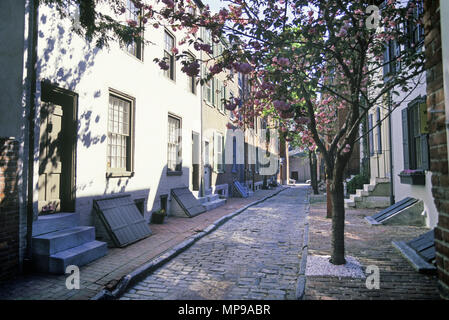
column 61, row 64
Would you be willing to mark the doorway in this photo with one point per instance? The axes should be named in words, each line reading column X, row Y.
column 57, row 148
column 207, row 173
column 195, row 161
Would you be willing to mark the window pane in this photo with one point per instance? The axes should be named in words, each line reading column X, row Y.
column 173, row 147
column 118, row 127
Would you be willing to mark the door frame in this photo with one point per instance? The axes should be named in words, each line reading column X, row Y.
column 51, row 93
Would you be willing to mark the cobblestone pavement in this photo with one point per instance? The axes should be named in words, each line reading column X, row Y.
column 120, row 261
column 371, row 245
column 255, row 255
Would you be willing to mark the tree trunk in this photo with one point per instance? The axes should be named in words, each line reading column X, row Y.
column 328, row 199
column 313, row 176
column 338, row 221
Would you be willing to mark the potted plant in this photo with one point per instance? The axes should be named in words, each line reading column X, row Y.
column 410, row 176
column 158, row 216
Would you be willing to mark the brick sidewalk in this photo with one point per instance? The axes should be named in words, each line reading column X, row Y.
column 371, row 245
column 121, row 261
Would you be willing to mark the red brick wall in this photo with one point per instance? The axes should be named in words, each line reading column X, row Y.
column 9, row 209
column 437, row 139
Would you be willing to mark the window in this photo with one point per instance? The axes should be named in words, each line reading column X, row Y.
column 208, row 37
column 415, row 31
column 191, row 81
column 134, row 47
column 208, row 89
column 222, row 97
column 119, row 150
column 415, row 135
column 169, row 44
column 174, row 156
column 392, row 52
column 219, row 154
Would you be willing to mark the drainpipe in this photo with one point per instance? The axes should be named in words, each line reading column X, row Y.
column 444, row 10
column 31, row 79
column 202, row 191
column 390, row 141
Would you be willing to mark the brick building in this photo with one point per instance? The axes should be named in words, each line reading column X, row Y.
column 437, row 47
column 9, row 208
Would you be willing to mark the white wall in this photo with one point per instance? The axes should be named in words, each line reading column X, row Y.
column 406, row 190
column 71, row 63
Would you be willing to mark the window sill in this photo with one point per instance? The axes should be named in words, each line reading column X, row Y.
column 119, row 174
column 173, row 81
column 133, row 56
column 209, row 103
column 174, row 173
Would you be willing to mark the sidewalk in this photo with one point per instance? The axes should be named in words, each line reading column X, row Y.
column 370, row 245
column 121, row 261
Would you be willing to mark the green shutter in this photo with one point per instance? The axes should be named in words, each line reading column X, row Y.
column 223, row 154
column 425, row 152
column 215, row 151
column 370, row 134
column 424, row 129
column 405, row 139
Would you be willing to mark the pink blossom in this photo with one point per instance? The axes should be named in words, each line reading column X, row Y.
column 284, row 62
column 131, row 23
column 244, row 67
column 216, row 68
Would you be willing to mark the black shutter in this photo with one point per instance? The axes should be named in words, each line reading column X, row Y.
column 370, row 134
column 379, row 131
column 405, row 139
column 425, row 152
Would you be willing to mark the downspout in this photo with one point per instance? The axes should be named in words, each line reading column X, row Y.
column 202, row 168
column 392, row 200
column 31, row 75
column 444, row 10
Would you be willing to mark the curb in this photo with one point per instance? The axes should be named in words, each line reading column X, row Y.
column 301, row 283
column 146, row 269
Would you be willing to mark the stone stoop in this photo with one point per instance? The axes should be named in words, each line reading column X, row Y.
column 373, row 195
column 70, row 245
column 212, row 201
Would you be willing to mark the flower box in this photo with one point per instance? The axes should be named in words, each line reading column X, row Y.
column 416, row 177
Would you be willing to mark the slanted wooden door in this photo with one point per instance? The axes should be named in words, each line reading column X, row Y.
column 50, row 154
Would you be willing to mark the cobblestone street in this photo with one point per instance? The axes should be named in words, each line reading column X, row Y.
column 255, row 255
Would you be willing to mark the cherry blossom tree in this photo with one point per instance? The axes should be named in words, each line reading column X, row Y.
column 308, row 63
